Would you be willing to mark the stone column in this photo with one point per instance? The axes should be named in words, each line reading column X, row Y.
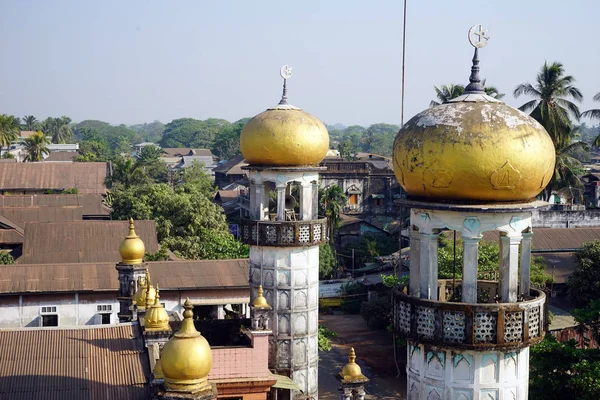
column 345, row 394
column 315, row 200
column 469, row 272
column 280, row 203
column 525, row 280
column 256, row 197
column 429, row 265
column 306, row 198
column 509, row 265
column 415, row 264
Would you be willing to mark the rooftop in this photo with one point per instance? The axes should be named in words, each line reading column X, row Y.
column 84, row 363
column 92, row 204
column 86, row 177
column 81, row 241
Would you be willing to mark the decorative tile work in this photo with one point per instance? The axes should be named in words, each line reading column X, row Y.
column 485, row 327
column 534, row 322
column 454, row 326
column 271, row 233
column 403, row 317
column 304, row 236
column 513, row 326
column 425, row 322
column 317, row 232
column 287, row 234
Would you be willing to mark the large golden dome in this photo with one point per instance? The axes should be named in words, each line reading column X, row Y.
column 186, row 359
column 473, row 148
column 285, row 136
column 132, row 248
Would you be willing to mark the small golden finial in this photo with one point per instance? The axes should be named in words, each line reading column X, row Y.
column 260, row 301
column 352, row 369
column 132, row 233
column 188, row 330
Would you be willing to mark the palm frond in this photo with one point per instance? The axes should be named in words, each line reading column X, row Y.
column 530, row 105
column 526, row 89
column 597, row 97
column 594, row 114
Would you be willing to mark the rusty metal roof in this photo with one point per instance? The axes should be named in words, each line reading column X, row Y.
column 20, row 215
column 84, row 277
column 92, row 203
column 86, row 177
column 554, row 239
column 186, row 151
column 81, row 241
column 64, row 156
column 65, row 364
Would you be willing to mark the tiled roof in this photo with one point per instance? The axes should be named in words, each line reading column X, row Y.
column 65, row 364
column 83, row 277
column 232, row 166
column 86, row 177
column 81, row 241
column 186, row 151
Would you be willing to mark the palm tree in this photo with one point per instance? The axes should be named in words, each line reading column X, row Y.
column 126, row 172
column 594, row 114
column 30, row 122
column 445, row 93
column 9, row 130
column 58, row 129
column 550, row 106
column 331, row 202
column 36, row 147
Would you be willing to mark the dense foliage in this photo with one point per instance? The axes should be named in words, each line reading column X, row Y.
column 327, row 261
column 353, row 293
column 562, row 371
column 325, row 336
column 376, row 139
column 584, row 282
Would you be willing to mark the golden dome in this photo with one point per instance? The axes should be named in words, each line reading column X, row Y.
column 156, row 318
column 284, row 135
column 186, row 359
column 260, row 301
column 132, row 248
column 473, row 148
column 158, row 374
column 146, row 294
column 351, row 370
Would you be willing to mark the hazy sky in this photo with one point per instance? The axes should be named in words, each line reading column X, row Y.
column 138, row 61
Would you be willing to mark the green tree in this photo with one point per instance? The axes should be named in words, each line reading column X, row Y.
column 36, row 147
column 58, row 129
column 196, row 176
column 227, row 141
column 551, row 106
column 562, row 371
column 588, row 319
column 150, row 132
column 347, row 150
column 445, row 93
column 188, row 222
column 30, row 122
column 119, row 138
column 9, row 130
column 325, row 336
column 327, row 261
column 331, row 203
column 92, row 147
column 379, row 138
column 126, row 172
column 584, row 283
column 189, row 132
column 6, row 258
column 594, row 114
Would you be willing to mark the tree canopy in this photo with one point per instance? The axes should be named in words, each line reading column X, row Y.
column 584, row 282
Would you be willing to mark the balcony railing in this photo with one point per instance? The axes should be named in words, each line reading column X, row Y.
column 284, row 233
column 499, row 326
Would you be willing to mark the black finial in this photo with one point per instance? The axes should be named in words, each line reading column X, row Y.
column 478, row 37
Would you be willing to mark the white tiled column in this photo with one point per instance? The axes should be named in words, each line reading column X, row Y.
column 415, row 265
column 469, row 272
column 509, row 265
column 429, row 265
column 525, row 278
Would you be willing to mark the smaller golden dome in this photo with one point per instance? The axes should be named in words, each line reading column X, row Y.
column 260, row 301
column 186, row 359
column 156, row 318
column 351, row 370
column 132, row 248
column 146, row 294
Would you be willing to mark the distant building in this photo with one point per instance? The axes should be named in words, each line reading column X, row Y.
column 177, row 158
column 230, row 171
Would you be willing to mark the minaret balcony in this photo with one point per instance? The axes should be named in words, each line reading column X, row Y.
column 284, row 233
column 485, row 325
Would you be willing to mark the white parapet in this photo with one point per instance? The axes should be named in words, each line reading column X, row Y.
column 436, row 374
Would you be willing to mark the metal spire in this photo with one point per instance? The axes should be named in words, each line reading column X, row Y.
column 478, row 37
column 286, row 73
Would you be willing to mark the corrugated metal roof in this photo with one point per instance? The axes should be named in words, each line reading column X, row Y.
column 186, row 151
column 81, row 241
column 20, row 215
column 80, row 277
column 64, row 156
column 86, row 177
column 92, row 363
column 91, row 203
column 552, row 239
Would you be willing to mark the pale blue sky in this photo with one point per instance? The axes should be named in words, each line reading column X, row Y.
column 138, row 61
